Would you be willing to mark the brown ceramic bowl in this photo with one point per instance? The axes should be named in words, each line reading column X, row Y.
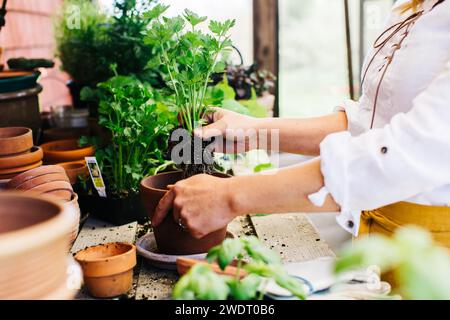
column 170, row 237
column 18, row 170
column 43, row 179
column 108, row 268
column 65, row 151
column 75, row 169
column 59, row 189
column 15, row 140
column 31, row 174
column 33, row 246
column 24, row 159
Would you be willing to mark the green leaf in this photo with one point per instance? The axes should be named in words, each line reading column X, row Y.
column 193, row 18
column 156, row 12
column 229, row 250
column 246, row 289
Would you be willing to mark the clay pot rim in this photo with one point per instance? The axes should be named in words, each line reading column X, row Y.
column 45, row 147
column 28, row 175
column 131, row 247
column 143, row 182
column 25, row 186
column 24, row 132
column 36, row 154
column 21, row 169
column 19, row 240
column 64, row 165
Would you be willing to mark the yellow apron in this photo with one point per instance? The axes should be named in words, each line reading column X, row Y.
column 385, row 220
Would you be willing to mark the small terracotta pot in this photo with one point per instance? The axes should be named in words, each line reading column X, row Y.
column 15, row 140
column 65, row 151
column 31, row 174
column 24, row 159
column 75, row 169
column 18, row 170
column 43, row 179
column 108, row 268
column 170, row 237
column 33, row 246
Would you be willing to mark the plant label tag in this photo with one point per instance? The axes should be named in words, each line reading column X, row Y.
column 96, row 176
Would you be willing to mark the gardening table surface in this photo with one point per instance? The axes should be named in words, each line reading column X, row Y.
column 292, row 235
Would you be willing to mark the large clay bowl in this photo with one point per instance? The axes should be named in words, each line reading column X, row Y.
column 75, row 169
column 108, row 268
column 59, row 189
column 24, row 159
column 170, row 237
column 65, row 151
column 31, row 174
column 43, row 179
column 15, row 140
column 33, row 246
column 17, row 170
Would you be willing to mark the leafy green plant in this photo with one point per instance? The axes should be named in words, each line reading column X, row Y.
column 82, row 41
column 140, row 124
column 201, row 283
column 421, row 268
column 88, row 49
column 189, row 57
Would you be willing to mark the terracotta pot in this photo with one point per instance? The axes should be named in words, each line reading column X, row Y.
column 73, row 210
column 75, row 169
column 43, row 179
column 108, row 268
column 15, row 140
column 31, row 174
column 33, row 246
column 18, row 170
column 55, row 134
column 35, row 155
column 170, row 237
column 65, row 151
column 58, row 189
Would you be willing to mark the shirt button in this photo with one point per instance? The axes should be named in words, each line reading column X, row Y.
column 350, row 224
column 384, row 150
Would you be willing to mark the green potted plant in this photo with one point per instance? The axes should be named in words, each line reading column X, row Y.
column 88, row 46
column 189, row 58
column 262, row 265
column 139, row 125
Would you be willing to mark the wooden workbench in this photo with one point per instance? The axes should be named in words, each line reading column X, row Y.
column 292, row 235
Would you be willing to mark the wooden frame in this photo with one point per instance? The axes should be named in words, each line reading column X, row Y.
column 265, row 41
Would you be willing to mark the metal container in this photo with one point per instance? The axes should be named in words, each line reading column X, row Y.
column 21, row 109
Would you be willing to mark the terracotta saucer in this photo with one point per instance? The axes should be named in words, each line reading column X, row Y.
column 35, row 155
column 18, row 170
column 147, row 248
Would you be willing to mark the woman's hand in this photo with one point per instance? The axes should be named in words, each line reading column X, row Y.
column 203, row 204
column 239, row 132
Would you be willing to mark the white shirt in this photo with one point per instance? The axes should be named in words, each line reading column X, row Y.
column 406, row 157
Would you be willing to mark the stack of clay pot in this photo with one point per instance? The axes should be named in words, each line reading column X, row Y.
column 33, row 249
column 17, row 153
column 50, row 181
column 69, row 155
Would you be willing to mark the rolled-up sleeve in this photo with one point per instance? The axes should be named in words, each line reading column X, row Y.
column 351, row 108
column 409, row 156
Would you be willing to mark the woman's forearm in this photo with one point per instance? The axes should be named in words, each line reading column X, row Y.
column 289, row 187
column 303, row 136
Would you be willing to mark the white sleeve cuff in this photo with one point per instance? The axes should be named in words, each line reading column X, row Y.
column 352, row 110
